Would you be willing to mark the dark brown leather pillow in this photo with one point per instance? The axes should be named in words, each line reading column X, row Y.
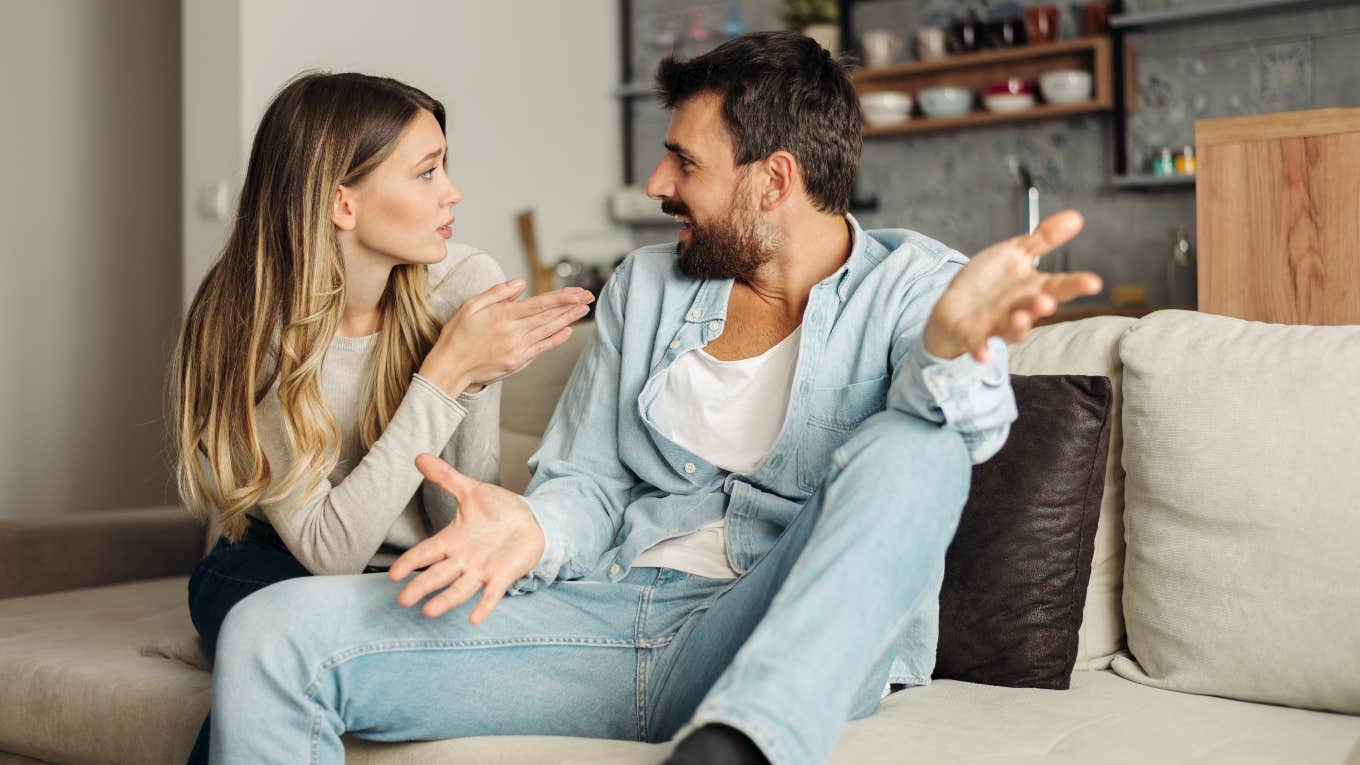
column 1016, row 573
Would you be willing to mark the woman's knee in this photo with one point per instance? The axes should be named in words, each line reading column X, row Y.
column 271, row 616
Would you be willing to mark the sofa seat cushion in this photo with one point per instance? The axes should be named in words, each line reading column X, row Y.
column 1102, row 719
column 86, row 678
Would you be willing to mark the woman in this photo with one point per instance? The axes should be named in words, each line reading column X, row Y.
column 337, row 337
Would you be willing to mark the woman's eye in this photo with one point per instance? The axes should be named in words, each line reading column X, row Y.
column 428, row 174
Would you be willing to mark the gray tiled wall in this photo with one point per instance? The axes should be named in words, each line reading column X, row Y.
column 956, row 186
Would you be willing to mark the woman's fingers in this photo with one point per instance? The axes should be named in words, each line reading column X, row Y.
column 495, row 294
column 548, row 323
column 548, row 301
column 548, row 343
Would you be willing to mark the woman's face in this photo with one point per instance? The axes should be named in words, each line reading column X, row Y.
column 401, row 210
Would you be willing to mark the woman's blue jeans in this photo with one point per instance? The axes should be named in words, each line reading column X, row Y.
column 785, row 653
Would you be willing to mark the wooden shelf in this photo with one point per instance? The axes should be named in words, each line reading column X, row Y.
column 974, row 71
column 1148, row 181
column 961, row 61
column 1204, row 13
column 974, row 118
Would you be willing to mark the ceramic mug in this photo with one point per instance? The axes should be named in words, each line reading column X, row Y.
column 1095, row 18
column 931, row 43
column 881, row 48
column 1041, row 23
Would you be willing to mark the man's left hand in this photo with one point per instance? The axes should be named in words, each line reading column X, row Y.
column 1000, row 293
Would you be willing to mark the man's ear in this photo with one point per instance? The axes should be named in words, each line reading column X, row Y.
column 342, row 212
column 781, row 179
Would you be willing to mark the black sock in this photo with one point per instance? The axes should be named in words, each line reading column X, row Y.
column 716, row 745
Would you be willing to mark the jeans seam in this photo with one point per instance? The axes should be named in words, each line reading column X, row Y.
column 315, row 744
column 396, row 646
column 639, row 638
column 239, row 580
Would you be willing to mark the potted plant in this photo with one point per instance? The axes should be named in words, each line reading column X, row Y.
column 816, row 19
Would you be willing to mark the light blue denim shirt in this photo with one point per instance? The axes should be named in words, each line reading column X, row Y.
column 607, row 482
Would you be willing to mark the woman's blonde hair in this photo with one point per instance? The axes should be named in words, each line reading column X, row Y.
column 270, row 305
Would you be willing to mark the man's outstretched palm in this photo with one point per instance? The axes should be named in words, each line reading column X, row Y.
column 492, row 541
column 1000, row 293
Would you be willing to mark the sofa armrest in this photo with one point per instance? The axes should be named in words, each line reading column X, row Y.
column 52, row 553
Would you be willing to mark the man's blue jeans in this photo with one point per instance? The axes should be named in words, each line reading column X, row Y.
column 786, row 653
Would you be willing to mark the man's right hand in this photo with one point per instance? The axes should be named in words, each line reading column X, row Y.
column 492, row 542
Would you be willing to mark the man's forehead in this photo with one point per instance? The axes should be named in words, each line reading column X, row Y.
column 696, row 125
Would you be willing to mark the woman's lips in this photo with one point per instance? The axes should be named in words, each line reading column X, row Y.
column 445, row 231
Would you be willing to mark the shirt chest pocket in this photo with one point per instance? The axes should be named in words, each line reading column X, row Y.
column 833, row 415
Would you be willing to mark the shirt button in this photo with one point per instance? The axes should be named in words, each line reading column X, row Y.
column 689, row 467
column 614, row 569
column 714, row 326
column 694, row 315
column 675, row 344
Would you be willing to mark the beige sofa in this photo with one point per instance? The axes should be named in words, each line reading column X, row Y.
column 1224, row 566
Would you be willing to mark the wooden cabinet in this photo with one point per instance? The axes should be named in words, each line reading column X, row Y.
column 1278, row 211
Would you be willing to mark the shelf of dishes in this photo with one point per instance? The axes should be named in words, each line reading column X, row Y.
column 1011, row 84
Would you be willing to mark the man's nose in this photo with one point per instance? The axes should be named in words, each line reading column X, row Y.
column 660, row 185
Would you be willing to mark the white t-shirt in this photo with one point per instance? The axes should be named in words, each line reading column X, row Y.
column 729, row 413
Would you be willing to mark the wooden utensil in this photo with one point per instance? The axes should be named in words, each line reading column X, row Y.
column 543, row 275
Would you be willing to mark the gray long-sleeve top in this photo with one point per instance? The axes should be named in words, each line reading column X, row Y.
column 375, row 504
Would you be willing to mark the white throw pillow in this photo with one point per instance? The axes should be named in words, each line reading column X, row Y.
column 1242, row 509
column 1091, row 347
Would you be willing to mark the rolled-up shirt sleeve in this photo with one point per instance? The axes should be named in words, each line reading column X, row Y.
column 961, row 394
column 580, row 486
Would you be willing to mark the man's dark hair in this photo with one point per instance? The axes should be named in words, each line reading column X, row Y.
column 780, row 90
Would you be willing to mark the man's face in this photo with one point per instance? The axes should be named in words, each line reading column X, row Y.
column 697, row 182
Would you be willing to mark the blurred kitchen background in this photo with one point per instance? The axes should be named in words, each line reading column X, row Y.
column 127, row 128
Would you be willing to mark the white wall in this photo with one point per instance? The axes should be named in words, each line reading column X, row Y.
column 527, row 85
column 89, row 246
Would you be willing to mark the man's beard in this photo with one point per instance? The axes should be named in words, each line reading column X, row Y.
column 731, row 248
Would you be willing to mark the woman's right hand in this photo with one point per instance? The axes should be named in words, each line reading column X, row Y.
column 491, row 336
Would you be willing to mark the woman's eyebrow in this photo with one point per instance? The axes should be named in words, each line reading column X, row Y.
column 429, row 157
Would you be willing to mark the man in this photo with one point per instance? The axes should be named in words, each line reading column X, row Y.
column 737, row 523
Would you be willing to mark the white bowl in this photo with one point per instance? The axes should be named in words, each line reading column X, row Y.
column 876, row 120
column 945, row 101
column 890, row 101
column 886, row 108
column 1066, row 86
column 1008, row 103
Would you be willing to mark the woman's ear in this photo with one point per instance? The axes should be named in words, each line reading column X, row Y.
column 342, row 213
